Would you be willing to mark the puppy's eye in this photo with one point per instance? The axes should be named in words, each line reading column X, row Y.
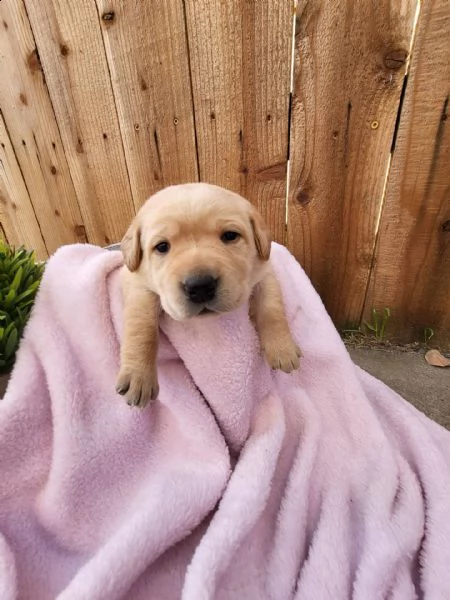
column 229, row 236
column 162, row 247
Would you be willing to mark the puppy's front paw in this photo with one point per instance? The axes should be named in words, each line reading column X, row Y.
column 282, row 353
column 139, row 388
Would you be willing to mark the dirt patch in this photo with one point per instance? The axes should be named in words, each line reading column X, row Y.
column 366, row 341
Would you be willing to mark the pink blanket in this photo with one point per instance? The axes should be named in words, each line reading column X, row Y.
column 237, row 484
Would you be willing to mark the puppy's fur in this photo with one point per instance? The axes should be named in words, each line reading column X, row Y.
column 195, row 250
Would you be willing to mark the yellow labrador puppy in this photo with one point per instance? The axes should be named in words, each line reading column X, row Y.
column 195, row 250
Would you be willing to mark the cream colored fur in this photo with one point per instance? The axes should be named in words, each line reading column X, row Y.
column 191, row 219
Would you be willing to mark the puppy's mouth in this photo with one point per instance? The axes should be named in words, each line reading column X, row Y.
column 209, row 309
column 214, row 310
column 202, row 311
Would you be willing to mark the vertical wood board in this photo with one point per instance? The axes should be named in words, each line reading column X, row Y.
column 71, row 50
column 350, row 59
column 411, row 272
column 17, row 218
column 240, row 64
column 33, row 130
column 148, row 59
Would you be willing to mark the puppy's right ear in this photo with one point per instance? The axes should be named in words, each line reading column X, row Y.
column 131, row 247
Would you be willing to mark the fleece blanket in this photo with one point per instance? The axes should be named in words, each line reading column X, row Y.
column 238, row 483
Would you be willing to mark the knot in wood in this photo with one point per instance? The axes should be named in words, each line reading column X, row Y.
column 109, row 16
column 33, row 61
column 303, row 198
column 395, row 59
column 446, row 226
column 80, row 232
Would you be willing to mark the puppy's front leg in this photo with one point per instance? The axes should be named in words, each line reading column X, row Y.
column 138, row 378
column 267, row 310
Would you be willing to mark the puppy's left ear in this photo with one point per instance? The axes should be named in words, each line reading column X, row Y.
column 131, row 247
column 260, row 234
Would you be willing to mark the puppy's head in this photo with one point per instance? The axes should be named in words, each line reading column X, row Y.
column 200, row 247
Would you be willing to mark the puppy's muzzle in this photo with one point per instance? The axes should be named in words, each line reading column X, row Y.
column 200, row 289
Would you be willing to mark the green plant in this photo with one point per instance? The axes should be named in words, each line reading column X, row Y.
column 378, row 323
column 427, row 334
column 20, row 276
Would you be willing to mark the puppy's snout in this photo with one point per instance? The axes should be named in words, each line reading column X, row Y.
column 200, row 288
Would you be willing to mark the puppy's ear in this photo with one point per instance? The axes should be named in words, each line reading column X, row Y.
column 260, row 234
column 131, row 247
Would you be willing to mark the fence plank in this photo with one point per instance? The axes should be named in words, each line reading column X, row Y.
column 150, row 78
column 412, row 267
column 70, row 46
column 240, row 65
column 3, row 237
column 349, row 65
column 33, row 131
column 17, row 218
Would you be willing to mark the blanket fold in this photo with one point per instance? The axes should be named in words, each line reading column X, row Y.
column 237, row 483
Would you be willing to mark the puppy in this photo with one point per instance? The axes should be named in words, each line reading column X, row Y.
column 196, row 250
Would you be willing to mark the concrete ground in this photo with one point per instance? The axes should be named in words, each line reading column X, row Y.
column 426, row 387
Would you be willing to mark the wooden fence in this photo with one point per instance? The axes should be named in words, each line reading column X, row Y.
column 329, row 115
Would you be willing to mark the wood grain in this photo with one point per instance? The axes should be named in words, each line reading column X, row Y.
column 147, row 54
column 240, row 65
column 102, row 102
column 33, row 130
column 18, row 221
column 70, row 45
column 3, row 237
column 412, row 261
column 350, row 59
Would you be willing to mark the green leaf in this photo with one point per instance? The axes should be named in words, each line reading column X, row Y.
column 26, row 306
column 369, row 326
column 24, row 263
column 28, row 279
column 11, row 344
column 9, row 328
column 30, row 291
column 428, row 334
column 17, row 279
column 10, row 297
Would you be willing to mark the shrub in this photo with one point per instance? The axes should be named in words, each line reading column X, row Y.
column 20, row 276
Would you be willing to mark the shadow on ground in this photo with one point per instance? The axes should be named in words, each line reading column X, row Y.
column 426, row 387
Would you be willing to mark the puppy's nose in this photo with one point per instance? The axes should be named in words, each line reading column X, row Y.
column 200, row 288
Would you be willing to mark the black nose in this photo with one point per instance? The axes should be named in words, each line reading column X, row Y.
column 200, row 288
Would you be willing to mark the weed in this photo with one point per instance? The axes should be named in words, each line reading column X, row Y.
column 427, row 335
column 378, row 323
